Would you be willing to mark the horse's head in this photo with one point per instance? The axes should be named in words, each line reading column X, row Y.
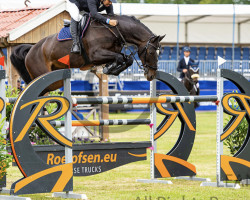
column 194, row 71
column 149, row 56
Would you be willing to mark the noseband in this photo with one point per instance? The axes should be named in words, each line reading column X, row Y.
column 189, row 77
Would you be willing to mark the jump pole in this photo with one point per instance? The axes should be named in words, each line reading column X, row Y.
column 109, row 122
column 143, row 100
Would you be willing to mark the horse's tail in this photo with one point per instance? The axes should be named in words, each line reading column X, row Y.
column 17, row 58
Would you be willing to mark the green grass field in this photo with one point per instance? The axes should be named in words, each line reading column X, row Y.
column 120, row 183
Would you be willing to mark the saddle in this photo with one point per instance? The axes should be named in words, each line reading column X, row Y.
column 65, row 34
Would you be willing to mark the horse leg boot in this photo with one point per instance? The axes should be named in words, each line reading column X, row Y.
column 116, row 67
column 109, row 68
column 76, row 48
column 128, row 61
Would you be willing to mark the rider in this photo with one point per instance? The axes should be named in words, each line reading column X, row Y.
column 183, row 65
column 92, row 7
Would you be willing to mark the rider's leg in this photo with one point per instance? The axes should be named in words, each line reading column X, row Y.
column 75, row 35
column 75, row 18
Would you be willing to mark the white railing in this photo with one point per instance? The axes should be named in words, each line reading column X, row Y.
column 207, row 70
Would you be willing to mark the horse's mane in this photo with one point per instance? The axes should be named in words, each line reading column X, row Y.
column 138, row 22
column 133, row 18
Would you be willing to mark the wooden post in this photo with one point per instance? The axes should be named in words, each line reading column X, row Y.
column 104, row 91
column 11, row 71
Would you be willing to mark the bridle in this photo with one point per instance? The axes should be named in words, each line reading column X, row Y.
column 145, row 66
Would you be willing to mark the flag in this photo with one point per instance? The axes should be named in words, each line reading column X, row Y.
column 2, row 61
column 65, row 60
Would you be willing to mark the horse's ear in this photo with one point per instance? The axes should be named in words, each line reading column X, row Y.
column 161, row 37
column 156, row 38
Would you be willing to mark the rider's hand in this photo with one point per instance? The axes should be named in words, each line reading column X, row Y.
column 184, row 70
column 113, row 22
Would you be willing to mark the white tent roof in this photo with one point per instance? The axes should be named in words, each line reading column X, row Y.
column 184, row 9
column 199, row 23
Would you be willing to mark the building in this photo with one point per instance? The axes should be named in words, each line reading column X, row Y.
column 28, row 26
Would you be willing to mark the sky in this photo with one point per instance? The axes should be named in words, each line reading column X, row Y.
column 13, row 4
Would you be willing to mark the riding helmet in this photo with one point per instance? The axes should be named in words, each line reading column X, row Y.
column 186, row 49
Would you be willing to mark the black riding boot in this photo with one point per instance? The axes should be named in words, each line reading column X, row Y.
column 76, row 48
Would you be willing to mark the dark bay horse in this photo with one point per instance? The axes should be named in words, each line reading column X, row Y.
column 191, row 79
column 102, row 44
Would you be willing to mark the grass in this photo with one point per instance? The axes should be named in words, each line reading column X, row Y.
column 120, row 183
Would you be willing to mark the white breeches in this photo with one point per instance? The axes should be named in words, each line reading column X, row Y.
column 74, row 11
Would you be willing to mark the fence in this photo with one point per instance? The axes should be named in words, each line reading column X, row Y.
column 207, row 70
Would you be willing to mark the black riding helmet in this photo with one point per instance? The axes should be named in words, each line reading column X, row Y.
column 186, row 49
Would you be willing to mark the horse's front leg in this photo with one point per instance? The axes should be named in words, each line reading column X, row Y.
column 115, row 62
column 128, row 60
column 117, row 67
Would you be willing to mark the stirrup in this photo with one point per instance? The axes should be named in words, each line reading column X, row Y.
column 76, row 48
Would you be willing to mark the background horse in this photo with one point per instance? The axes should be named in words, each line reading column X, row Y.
column 191, row 79
column 103, row 44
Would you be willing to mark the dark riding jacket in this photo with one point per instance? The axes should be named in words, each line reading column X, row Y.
column 93, row 7
column 182, row 65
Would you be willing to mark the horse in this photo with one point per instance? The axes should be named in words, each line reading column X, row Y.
column 102, row 43
column 191, row 80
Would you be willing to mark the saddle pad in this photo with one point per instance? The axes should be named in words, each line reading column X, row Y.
column 65, row 34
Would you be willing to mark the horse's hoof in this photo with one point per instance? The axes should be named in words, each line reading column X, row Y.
column 105, row 70
column 129, row 61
